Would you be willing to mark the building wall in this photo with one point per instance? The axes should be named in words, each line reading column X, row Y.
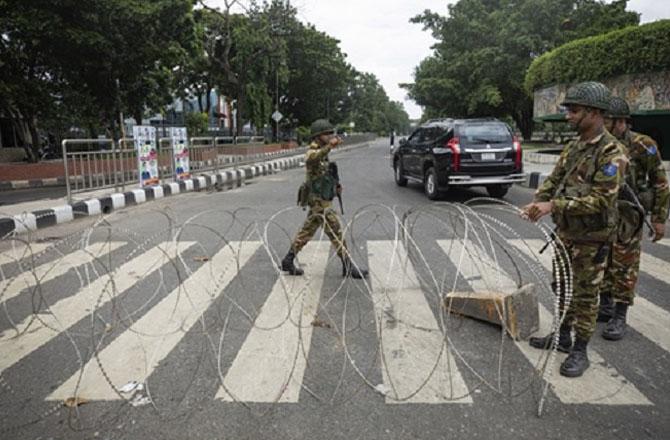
column 644, row 92
column 647, row 94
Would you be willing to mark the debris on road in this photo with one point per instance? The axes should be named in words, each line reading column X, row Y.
column 73, row 402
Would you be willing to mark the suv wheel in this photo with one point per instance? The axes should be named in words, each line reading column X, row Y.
column 430, row 184
column 497, row 191
column 400, row 180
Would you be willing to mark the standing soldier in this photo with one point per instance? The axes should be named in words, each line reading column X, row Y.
column 647, row 178
column 317, row 193
column 580, row 195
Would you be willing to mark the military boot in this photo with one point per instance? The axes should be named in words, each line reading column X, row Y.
column 288, row 265
column 349, row 270
column 546, row 342
column 577, row 361
column 606, row 309
column 616, row 327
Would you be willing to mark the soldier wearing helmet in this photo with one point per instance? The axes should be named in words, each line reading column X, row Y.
column 317, row 193
column 580, row 194
column 648, row 180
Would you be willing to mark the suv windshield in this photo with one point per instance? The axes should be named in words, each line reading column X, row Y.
column 484, row 134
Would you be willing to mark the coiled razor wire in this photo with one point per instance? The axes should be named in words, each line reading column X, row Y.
column 481, row 228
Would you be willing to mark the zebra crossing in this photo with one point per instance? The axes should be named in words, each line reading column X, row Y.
column 416, row 361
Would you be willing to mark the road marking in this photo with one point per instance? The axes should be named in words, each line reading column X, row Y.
column 135, row 353
column 28, row 279
column 655, row 267
column 20, row 251
column 412, row 346
column 271, row 364
column 601, row 384
column 68, row 311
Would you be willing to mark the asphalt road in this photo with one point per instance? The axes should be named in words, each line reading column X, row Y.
column 226, row 348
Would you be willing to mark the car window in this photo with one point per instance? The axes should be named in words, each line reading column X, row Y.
column 434, row 133
column 484, row 133
column 415, row 136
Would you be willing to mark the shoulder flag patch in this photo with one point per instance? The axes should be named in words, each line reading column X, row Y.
column 610, row 169
column 651, row 150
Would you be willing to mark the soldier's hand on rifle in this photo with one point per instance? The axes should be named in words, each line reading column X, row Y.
column 338, row 189
column 659, row 231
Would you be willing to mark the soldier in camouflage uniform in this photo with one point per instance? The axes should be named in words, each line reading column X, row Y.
column 648, row 180
column 580, row 195
column 317, row 193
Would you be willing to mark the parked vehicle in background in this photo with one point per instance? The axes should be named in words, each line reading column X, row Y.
column 446, row 153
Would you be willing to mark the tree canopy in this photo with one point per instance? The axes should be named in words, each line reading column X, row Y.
column 82, row 63
column 635, row 49
column 484, row 48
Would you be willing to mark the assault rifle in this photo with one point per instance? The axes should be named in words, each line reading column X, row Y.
column 335, row 174
column 626, row 193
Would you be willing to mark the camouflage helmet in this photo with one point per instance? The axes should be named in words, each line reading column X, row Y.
column 320, row 126
column 589, row 94
column 618, row 108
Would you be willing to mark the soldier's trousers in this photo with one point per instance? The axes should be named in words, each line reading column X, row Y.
column 587, row 276
column 321, row 215
column 623, row 269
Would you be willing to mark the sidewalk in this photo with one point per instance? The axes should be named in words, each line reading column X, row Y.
column 29, row 216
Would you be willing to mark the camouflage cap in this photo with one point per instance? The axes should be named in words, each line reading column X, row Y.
column 589, row 94
column 320, row 126
column 618, row 108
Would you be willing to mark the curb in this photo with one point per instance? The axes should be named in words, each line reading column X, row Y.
column 225, row 179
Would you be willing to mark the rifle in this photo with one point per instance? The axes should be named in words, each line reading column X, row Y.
column 335, row 174
column 626, row 193
column 552, row 238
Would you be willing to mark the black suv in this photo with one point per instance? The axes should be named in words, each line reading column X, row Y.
column 446, row 153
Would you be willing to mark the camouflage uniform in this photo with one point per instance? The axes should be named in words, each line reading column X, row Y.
column 319, row 201
column 648, row 179
column 583, row 187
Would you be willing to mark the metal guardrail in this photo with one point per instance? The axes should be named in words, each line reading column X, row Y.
column 114, row 164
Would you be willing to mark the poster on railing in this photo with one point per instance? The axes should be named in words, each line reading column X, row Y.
column 180, row 154
column 147, row 154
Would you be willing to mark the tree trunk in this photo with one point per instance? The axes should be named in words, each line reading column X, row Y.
column 208, row 107
column 239, row 124
column 35, row 144
column 137, row 115
column 524, row 120
column 200, row 100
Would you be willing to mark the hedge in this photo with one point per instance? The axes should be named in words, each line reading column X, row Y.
column 635, row 49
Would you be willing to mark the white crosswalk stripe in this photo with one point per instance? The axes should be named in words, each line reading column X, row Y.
column 65, row 313
column 11, row 287
column 137, row 352
column 600, row 384
column 644, row 316
column 271, row 363
column 20, row 250
column 655, row 267
column 417, row 365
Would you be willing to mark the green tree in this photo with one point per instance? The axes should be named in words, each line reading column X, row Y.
column 371, row 109
column 319, row 77
column 484, row 48
column 91, row 58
